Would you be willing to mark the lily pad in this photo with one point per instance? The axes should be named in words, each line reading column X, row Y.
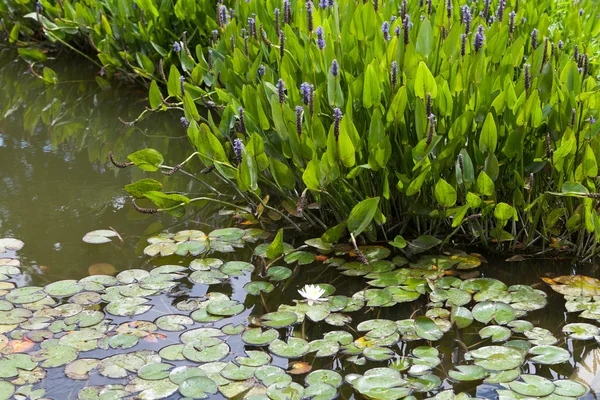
column 532, row 385
column 279, row 319
column 174, row 322
column 254, row 288
column 497, row 358
column 487, row 311
column 98, row 236
column 294, row 348
column 466, row 373
column 80, row 369
column 496, row 333
column 153, row 372
column 549, row 355
column 567, row 387
column 258, row 337
column 581, row 331
column 198, row 387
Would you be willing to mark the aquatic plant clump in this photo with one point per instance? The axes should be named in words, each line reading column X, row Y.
column 151, row 338
column 476, row 125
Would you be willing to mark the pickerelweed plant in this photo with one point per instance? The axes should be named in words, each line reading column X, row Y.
column 124, row 37
column 473, row 121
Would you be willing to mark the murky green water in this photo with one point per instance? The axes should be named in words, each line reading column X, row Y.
column 56, row 181
column 57, row 185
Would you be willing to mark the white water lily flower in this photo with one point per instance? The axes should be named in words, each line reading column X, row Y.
column 312, row 293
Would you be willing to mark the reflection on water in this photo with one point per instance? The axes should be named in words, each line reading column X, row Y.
column 56, row 183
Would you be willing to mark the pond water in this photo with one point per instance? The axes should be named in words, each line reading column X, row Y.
column 206, row 312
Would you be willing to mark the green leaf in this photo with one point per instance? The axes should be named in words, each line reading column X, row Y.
column 371, row 87
column 346, row 148
column 137, row 189
column 489, row 136
column 166, row 201
column 424, row 44
column 154, row 97
column 590, row 166
column 361, row 215
column 146, row 159
column 425, row 82
column 445, row 193
column 32, row 55
column 275, row 249
column 504, row 212
column 173, row 86
column 485, row 184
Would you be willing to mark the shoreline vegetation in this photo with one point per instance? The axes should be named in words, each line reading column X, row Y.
column 444, row 121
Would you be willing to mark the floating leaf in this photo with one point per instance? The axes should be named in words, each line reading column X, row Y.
column 294, row 348
column 497, row 358
column 467, row 373
column 532, row 385
column 549, row 355
column 99, row 236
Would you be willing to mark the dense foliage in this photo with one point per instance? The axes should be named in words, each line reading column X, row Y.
column 436, row 117
column 125, row 36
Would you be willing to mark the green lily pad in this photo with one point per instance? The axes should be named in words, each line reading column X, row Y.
column 427, row 329
column 255, row 358
column 173, row 352
column 496, row 333
column 63, row 288
column 497, row 358
column 320, row 391
column 567, row 387
column 277, row 274
column 180, row 374
column 97, row 237
column 80, row 369
column 293, row 391
column 174, row 322
column 235, row 372
column 128, row 307
column 581, row 331
column 324, row 347
column 520, row 326
column 54, row 355
column 540, row 336
column 27, row 294
column 487, row 311
column 465, row 373
column 198, row 387
column 294, row 348
column 198, row 352
column 225, row 308
column 279, row 319
column 256, row 336
column 205, row 264
column 254, row 288
column 549, row 355
column 12, row 363
column 324, row 376
column 532, row 385
column 480, row 284
column 301, row 257
column 461, row 317
column 212, row 277
column 151, row 390
column 337, row 319
column 163, row 248
column 6, row 390
column 375, row 353
column 378, row 328
column 503, row 376
column 236, row 268
column 153, row 372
